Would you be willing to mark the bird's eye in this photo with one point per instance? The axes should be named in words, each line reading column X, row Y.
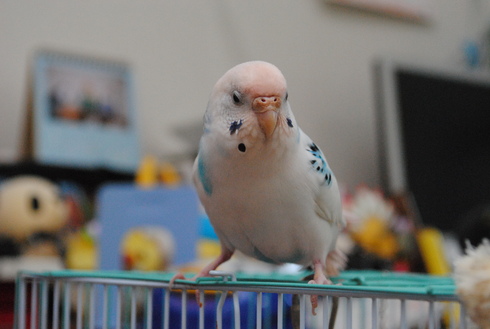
column 236, row 97
column 286, row 97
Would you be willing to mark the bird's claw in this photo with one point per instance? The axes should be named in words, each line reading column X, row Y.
column 314, row 304
column 177, row 276
column 180, row 276
column 314, row 298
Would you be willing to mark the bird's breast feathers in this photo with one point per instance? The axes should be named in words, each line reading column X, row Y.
column 251, row 198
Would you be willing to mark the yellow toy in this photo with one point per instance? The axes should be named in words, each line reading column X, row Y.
column 169, row 174
column 81, row 252
column 147, row 174
column 151, row 172
column 147, row 249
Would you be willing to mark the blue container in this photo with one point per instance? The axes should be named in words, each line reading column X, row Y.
column 247, row 301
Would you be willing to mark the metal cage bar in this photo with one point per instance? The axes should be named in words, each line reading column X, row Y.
column 34, row 304
column 201, row 309
column 280, row 310
column 183, row 317
column 302, row 311
column 63, row 302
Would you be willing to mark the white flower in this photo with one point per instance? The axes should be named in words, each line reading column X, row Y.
column 367, row 204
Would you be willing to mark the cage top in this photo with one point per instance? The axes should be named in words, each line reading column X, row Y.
column 348, row 283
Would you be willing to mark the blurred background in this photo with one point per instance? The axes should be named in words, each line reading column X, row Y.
column 178, row 49
column 141, row 73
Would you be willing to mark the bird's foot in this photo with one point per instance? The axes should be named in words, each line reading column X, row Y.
column 223, row 257
column 180, row 276
column 177, row 276
column 314, row 298
column 318, row 278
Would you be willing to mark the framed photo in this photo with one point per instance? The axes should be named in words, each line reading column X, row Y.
column 83, row 113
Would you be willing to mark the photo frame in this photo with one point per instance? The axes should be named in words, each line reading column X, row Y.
column 83, row 113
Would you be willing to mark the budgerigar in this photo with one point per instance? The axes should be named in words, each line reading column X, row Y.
column 266, row 187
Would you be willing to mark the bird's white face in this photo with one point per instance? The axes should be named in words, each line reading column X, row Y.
column 250, row 106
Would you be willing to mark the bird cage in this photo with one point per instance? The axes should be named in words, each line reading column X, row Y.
column 121, row 299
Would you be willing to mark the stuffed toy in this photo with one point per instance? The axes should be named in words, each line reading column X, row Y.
column 32, row 215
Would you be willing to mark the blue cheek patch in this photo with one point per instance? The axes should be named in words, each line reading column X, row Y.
column 203, row 176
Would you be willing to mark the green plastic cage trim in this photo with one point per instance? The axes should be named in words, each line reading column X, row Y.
column 356, row 281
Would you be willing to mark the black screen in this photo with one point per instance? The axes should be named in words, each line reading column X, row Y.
column 445, row 126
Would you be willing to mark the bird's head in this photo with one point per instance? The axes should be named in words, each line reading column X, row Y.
column 250, row 102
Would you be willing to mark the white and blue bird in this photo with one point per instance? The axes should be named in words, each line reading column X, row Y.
column 266, row 187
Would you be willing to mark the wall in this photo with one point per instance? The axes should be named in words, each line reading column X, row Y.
column 178, row 49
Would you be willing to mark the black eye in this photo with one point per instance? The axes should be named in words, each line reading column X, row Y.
column 286, row 98
column 236, row 97
column 242, row 147
column 35, row 204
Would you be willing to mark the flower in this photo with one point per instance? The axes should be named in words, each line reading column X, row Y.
column 372, row 227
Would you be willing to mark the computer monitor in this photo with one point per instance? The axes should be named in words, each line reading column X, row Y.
column 434, row 138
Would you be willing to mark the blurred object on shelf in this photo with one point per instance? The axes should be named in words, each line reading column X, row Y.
column 473, row 54
column 149, row 248
column 430, row 240
column 80, row 206
column 81, row 251
column 431, row 244
column 472, row 276
column 122, row 207
column 169, row 174
column 81, row 112
column 147, row 174
column 373, row 229
column 33, row 215
column 152, row 172
column 384, row 230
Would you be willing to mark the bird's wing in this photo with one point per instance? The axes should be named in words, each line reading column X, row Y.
column 328, row 204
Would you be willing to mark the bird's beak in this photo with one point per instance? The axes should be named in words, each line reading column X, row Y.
column 266, row 109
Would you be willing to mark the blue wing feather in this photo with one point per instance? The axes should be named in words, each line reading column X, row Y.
column 327, row 200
